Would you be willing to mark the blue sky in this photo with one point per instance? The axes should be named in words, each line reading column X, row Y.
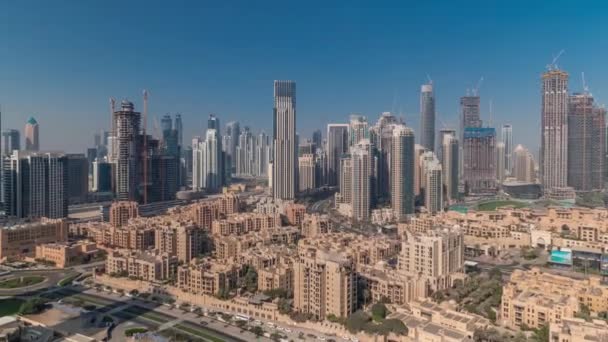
column 61, row 60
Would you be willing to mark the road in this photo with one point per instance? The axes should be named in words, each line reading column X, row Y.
column 52, row 277
column 176, row 316
column 151, row 315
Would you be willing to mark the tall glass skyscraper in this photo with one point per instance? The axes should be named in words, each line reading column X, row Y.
column 427, row 117
column 285, row 160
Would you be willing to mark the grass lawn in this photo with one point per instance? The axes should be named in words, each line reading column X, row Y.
column 68, row 280
column 197, row 332
column 21, row 282
column 493, row 205
column 10, row 306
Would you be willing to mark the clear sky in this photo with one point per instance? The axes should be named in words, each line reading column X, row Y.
column 60, row 61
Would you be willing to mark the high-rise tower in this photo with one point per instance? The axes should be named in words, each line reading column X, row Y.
column 337, row 146
column 32, row 142
column 427, row 117
column 506, row 136
column 586, row 139
column 554, row 130
column 124, row 152
column 449, row 163
column 285, row 153
column 361, row 187
column 402, row 171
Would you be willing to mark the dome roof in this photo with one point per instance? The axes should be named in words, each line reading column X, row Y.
column 32, row 121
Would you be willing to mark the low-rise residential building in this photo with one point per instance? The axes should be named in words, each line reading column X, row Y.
column 207, row 276
column 535, row 298
column 578, row 330
column 141, row 265
column 122, row 211
column 19, row 239
column 244, row 223
column 65, row 254
column 314, row 225
column 295, row 214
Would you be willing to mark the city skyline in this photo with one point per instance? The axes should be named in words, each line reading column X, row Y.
column 329, row 89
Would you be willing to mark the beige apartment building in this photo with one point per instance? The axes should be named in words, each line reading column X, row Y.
column 578, row 330
column 122, row 211
column 437, row 255
column 363, row 250
column 535, row 298
column 207, row 276
column 19, row 239
column 276, row 277
column 295, row 214
column 239, row 224
column 65, row 254
column 325, row 282
column 314, row 225
column 142, row 265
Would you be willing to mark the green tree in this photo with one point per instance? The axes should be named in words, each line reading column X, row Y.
column 258, row 331
column 250, row 281
column 379, row 312
column 284, row 306
column 541, row 334
column 33, row 306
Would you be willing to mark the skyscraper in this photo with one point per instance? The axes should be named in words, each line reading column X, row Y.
column 337, row 146
column 307, row 172
column 383, row 143
column 500, row 162
column 233, row 131
column 346, row 182
column 10, row 141
column 32, row 142
column 554, row 130
column 449, row 162
column 284, row 162
column 206, row 159
column 506, row 136
column 523, row 165
column 358, row 129
column 124, row 155
column 469, row 113
column 433, row 191
column 441, row 136
column 213, row 122
column 317, row 138
column 77, row 178
column 586, row 139
column 35, row 185
column 102, row 176
column 427, row 117
column 402, row 171
column 479, row 159
column 361, row 180
column 179, row 127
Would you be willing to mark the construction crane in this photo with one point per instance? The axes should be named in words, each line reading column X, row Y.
column 477, row 87
column 145, row 126
column 585, row 87
column 553, row 65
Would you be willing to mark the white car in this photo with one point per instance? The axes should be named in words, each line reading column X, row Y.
column 287, row 330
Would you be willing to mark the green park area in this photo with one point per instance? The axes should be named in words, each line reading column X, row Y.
column 493, row 205
column 17, row 282
column 10, row 306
